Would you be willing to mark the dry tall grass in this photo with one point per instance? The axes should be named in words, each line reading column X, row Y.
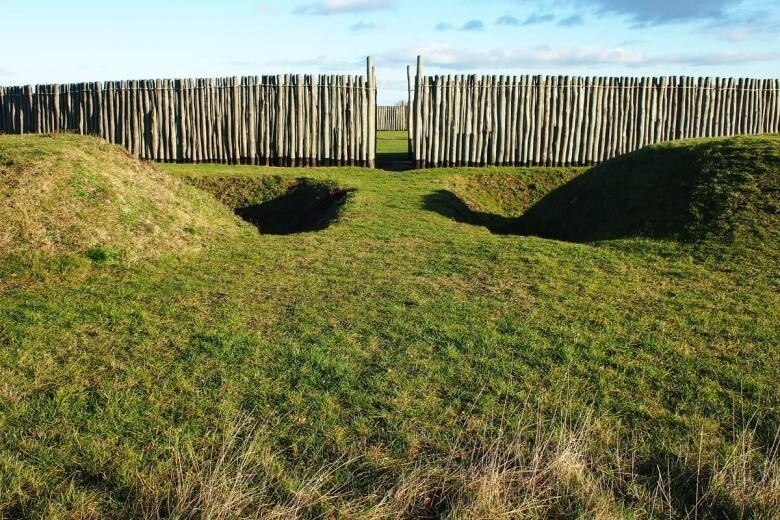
column 239, row 477
column 546, row 469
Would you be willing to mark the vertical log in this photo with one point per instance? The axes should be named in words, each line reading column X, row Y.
column 753, row 128
column 327, row 120
column 468, row 128
column 718, row 122
column 527, row 103
column 313, row 122
column 565, row 95
column 641, row 112
column 409, row 112
column 630, row 115
column 435, row 103
column 417, row 111
column 203, row 123
column 490, row 121
column 688, row 109
column 560, row 107
column 511, row 122
column 457, row 122
column 622, row 95
column 538, row 100
column 371, row 98
column 775, row 106
column 505, row 122
column 604, row 118
column 672, row 99
column 660, row 128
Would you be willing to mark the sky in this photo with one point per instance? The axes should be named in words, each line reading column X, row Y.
column 90, row 40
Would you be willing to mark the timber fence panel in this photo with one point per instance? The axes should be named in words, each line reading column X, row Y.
column 561, row 120
column 279, row 120
column 392, row 118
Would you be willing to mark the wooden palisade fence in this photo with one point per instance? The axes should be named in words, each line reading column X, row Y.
column 393, row 118
column 299, row 120
column 563, row 120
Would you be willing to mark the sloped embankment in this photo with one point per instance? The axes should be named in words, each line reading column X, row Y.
column 716, row 190
column 721, row 195
column 66, row 194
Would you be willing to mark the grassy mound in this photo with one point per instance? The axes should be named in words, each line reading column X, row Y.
column 720, row 191
column 72, row 195
column 721, row 196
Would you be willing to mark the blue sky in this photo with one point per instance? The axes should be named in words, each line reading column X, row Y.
column 86, row 40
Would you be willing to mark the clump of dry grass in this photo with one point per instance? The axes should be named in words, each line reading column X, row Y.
column 67, row 194
column 238, row 477
column 557, row 468
column 569, row 472
column 554, row 472
column 747, row 483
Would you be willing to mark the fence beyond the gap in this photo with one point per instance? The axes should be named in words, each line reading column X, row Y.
column 563, row 120
column 392, row 118
column 282, row 120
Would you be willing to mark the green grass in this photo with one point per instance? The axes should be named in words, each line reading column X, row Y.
column 393, row 151
column 392, row 142
column 404, row 332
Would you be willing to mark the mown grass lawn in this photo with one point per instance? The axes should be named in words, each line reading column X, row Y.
column 405, row 332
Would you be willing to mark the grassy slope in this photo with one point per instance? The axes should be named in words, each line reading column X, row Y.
column 393, row 335
column 708, row 193
column 70, row 195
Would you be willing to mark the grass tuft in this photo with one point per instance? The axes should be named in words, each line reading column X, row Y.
column 567, row 471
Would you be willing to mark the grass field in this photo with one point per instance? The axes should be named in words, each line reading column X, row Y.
column 392, row 142
column 393, row 151
column 423, row 353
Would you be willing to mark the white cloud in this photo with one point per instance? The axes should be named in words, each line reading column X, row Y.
column 330, row 7
column 531, row 19
column 363, row 26
column 508, row 20
column 473, row 25
column 447, row 56
column 571, row 21
column 263, row 8
column 648, row 12
column 322, row 63
column 536, row 18
column 738, row 28
column 661, row 11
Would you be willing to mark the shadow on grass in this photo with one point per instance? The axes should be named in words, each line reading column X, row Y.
column 648, row 193
column 449, row 205
column 394, row 161
column 703, row 490
column 306, row 206
column 685, row 193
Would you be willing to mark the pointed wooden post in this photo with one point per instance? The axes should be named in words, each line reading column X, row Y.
column 409, row 128
column 418, row 95
column 371, row 98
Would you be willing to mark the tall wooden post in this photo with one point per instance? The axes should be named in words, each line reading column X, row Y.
column 409, row 124
column 371, row 98
column 418, row 121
